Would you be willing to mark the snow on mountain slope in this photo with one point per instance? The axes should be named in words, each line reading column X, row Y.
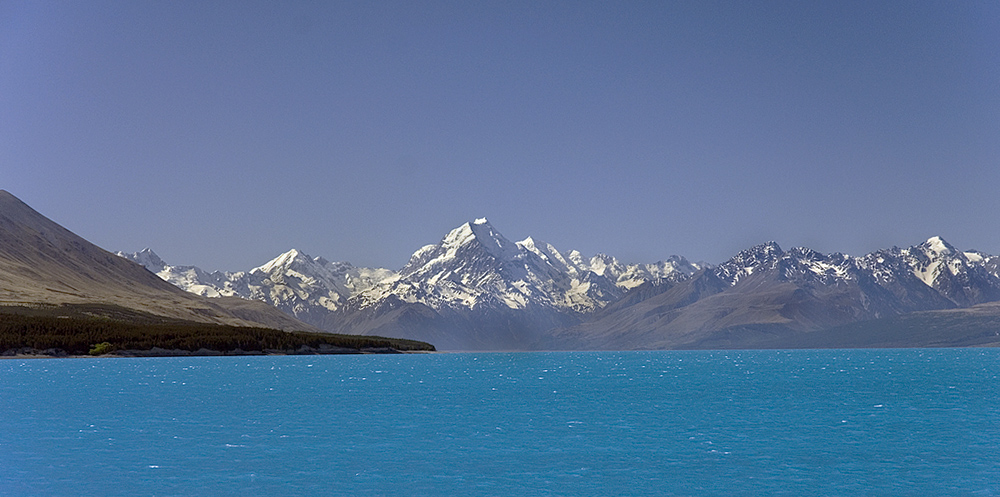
column 303, row 285
column 745, row 263
column 629, row 276
column 764, row 293
column 625, row 276
column 963, row 277
column 474, row 273
column 930, row 258
column 475, row 266
column 189, row 278
column 935, row 262
column 293, row 282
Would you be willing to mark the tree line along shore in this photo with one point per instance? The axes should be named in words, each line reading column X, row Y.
column 79, row 335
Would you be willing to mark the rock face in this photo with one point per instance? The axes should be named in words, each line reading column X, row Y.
column 42, row 263
column 477, row 290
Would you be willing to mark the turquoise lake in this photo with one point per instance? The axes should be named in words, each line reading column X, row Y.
column 812, row 422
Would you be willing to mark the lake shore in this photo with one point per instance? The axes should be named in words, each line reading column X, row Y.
column 25, row 353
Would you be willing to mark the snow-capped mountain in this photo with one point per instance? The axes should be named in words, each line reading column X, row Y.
column 476, row 289
column 294, row 282
column 302, row 285
column 473, row 271
column 965, row 278
column 489, row 292
column 471, row 267
column 960, row 276
column 765, row 293
column 190, row 278
column 475, row 266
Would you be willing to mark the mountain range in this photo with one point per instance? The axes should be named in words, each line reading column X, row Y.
column 477, row 290
column 43, row 265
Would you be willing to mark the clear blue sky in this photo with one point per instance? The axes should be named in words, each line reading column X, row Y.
column 221, row 134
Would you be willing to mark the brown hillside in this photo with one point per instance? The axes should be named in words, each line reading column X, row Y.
column 43, row 263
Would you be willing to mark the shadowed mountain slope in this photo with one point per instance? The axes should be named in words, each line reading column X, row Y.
column 42, row 263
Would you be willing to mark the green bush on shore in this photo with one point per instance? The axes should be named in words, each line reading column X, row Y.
column 101, row 348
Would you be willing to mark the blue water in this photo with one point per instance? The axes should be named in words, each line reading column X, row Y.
column 842, row 422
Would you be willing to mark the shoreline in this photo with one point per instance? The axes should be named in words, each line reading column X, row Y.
column 158, row 352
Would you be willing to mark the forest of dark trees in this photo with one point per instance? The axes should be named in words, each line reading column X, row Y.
column 81, row 335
